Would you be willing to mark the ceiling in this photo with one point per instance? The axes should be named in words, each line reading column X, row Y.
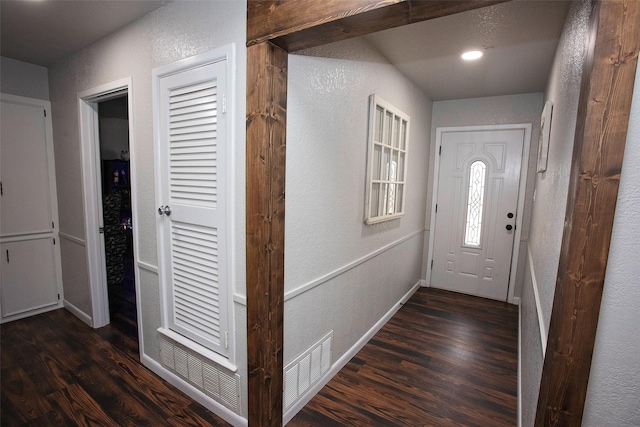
column 518, row 38
column 43, row 32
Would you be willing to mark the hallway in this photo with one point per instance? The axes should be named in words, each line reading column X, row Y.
column 443, row 360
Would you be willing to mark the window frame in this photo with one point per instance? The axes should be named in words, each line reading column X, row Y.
column 395, row 142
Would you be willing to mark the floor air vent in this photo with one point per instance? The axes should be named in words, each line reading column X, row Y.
column 301, row 374
column 215, row 381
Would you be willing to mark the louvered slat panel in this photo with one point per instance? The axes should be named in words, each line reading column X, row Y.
column 178, row 124
column 207, row 127
column 192, row 144
column 192, row 148
column 195, row 320
column 195, row 305
column 195, row 108
column 209, row 136
column 195, row 279
column 206, row 115
column 191, row 89
column 190, row 101
column 198, row 284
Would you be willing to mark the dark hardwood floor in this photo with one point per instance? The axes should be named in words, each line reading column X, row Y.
column 56, row 371
column 444, row 359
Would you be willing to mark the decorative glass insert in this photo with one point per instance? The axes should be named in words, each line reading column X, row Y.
column 387, row 161
column 473, row 227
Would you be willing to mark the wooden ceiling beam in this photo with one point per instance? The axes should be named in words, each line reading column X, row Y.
column 300, row 24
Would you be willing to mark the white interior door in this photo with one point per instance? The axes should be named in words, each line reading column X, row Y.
column 477, row 199
column 192, row 192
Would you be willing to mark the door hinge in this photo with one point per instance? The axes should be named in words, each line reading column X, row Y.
column 432, row 263
column 53, row 225
column 1, row 191
column 45, row 113
column 101, row 230
column 226, row 340
column 54, row 240
column 7, row 256
column 436, row 208
column 440, row 151
column 58, row 297
column 224, row 104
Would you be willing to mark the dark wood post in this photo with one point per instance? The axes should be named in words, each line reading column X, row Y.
column 266, row 126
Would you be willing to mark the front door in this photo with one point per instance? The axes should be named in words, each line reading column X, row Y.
column 477, row 199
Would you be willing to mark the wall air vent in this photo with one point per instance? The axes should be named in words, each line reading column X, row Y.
column 304, row 372
column 208, row 377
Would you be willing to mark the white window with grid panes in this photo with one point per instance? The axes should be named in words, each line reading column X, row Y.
column 386, row 162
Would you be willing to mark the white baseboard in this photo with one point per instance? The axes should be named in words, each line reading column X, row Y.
column 340, row 363
column 78, row 313
column 29, row 313
column 423, row 283
column 519, row 366
column 215, row 407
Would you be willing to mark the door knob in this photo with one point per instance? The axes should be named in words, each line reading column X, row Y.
column 164, row 210
column 509, row 215
column 509, row 227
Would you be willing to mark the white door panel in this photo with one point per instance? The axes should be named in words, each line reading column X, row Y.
column 25, row 171
column 28, row 276
column 477, row 200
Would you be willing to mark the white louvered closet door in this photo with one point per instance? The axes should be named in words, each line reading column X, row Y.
column 193, row 143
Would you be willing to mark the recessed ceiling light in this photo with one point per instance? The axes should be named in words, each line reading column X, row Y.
column 471, row 55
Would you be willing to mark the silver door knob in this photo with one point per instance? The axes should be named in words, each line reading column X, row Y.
column 166, row 210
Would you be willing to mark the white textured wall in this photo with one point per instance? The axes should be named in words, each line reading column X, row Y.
column 531, row 352
column 173, row 32
column 613, row 396
column 328, row 100
column 547, row 219
column 23, row 79
column 495, row 110
column 552, row 186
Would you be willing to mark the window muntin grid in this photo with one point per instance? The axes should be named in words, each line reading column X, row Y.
column 386, row 168
column 473, row 226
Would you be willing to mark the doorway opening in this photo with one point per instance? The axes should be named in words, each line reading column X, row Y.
column 117, row 221
column 109, row 189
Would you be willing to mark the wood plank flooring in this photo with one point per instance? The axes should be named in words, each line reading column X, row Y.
column 56, row 371
column 444, row 359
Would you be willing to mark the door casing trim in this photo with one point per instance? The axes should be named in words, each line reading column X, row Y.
column 90, row 143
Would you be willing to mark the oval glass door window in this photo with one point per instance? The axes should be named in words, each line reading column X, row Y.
column 473, row 226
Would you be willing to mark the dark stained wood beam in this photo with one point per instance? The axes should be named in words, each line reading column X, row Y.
column 266, row 126
column 601, row 131
column 300, row 24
